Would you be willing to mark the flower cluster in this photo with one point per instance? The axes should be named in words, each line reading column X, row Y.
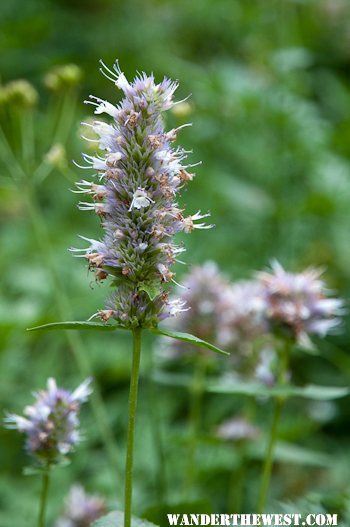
column 204, row 291
column 234, row 315
column 140, row 174
column 229, row 315
column 51, row 423
column 81, row 509
column 298, row 303
column 242, row 319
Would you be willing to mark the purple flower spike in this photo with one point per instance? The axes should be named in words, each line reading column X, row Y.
column 140, row 173
column 51, row 424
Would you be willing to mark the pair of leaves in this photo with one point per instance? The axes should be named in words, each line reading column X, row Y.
column 321, row 393
column 96, row 326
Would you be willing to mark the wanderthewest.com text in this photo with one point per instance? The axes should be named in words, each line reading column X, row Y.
column 252, row 520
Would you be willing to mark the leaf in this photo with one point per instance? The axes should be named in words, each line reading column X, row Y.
column 289, row 453
column 116, row 519
column 172, row 379
column 35, row 470
column 186, row 337
column 32, row 471
column 321, row 393
column 250, row 389
column 152, row 290
column 312, row 391
column 76, row 325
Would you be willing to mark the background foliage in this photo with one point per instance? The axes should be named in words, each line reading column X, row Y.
column 270, row 108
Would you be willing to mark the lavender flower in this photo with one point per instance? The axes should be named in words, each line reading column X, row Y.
column 81, row 509
column 51, row 423
column 299, row 303
column 237, row 429
column 140, row 174
column 204, row 292
column 231, row 315
column 242, row 316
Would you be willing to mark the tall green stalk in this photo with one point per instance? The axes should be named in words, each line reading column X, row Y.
column 134, row 381
column 43, row 497
column 278, row 408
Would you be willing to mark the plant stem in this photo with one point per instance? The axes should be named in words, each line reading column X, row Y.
column 236, row 483
column 66, row 114
column 43, row 498
column 267, row 470
column 195, row 417
column 155, row 422
column 27, row 138
column 265, row 482
column 134, row 381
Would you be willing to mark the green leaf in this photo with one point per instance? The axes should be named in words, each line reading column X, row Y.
column 289, row 453
column 173, row 379
column 116, row 519
column 250, row 389
column 312, row 391
column 152, row 290
column 186, row 337
column 33, row 471
column 97, row 326
column 321, row 393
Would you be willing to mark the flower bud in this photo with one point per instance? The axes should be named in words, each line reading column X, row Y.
column 63, row 77
column 20, row 93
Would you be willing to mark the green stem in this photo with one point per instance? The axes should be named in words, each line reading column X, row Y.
column 195, row 418
column 10, row 159
column 267, row 470
column 27, row 138
column 265, row 481
column 155, row 423
column 134, row 381
column 43, row 498
column 236, row 484
column 67, row 112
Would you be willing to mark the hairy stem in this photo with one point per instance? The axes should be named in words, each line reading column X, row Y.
column 134, row 381
column 43, row 497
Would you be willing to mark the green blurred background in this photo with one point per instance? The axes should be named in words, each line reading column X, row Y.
column 270, row 108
